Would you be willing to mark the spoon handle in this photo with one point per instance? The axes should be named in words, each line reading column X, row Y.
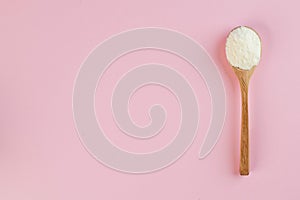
column 244, row 78
column 244, row 154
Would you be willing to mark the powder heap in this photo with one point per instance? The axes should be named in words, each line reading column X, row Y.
column 243, row 48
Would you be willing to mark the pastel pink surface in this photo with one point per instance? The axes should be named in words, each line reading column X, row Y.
column 42, row 45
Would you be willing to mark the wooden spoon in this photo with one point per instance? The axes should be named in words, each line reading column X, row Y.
column 243, row 51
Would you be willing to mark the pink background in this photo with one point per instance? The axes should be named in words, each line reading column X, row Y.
column 42, row 45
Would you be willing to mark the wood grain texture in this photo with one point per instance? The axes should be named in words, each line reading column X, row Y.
column 244, row 78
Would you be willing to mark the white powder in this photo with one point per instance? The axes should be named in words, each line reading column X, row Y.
column 243, row 48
